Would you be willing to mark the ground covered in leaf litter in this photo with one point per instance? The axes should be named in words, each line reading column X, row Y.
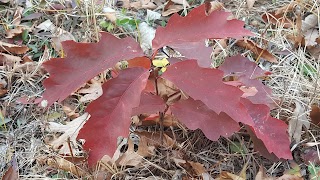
column 32, row 140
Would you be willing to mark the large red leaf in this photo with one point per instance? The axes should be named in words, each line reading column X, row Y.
column 195, row 114
column 83, row 62
column 247, row 73
column 111, row 112
column 206, row 84
column 150, row 104
column 272, row 131
column 181, row 33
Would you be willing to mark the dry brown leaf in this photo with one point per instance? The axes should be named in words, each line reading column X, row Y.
column 168, row 121
column 229, row 176
column 17, row 16
column 130, row 157
column 296, row 123
column 11, row 173
column 259, row 52
column 167, row 89
column 60, row 163
column 93, row 90
column 70, row 111
column 197, row 167
column 315, row 114
column 278, row 20
column 287, row 8
column 214, row 5
column 70, row 130
column 13, row 49
column 219, row 47
column 172, row 9
column 6, row 59
column 10, row 33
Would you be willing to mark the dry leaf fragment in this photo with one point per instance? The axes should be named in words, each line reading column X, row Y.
column 11, row 48
column 287, row 8
column 248, row 44
column 311, row 36
column 172, row 9
column 250, row 3
column 278, row 20
column 298, row 120
column 6, row 59
column 61, row 163
column 93, row 91
column 70, row 130
column 315, row 114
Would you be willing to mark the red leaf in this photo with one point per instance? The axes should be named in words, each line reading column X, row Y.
column 83, row 62
column 206, row 85
column 195, row 114
column 196, row 27
column 149, row 104
column 272, row 131
column 247, row 72
column 111, row 112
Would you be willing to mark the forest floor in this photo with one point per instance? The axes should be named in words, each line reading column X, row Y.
column 31, row 33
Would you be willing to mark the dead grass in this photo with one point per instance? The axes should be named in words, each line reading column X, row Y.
column 22, row 140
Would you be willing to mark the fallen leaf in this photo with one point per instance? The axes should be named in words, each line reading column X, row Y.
column 70, row 130
column 60, row 163
column 93, row 90
column 261, row 175
column 315, row 114
column 111, row 113
column 311, row 36
column 259, row 52
column 171, row 9
column 277, row 19
column 11, row 48
column 297, row 121
column 229, row 176
column 287, row 8
column 197, row 167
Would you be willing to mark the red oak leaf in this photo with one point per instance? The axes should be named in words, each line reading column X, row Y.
column 206, row 84
column 83, row 62
column 195, row 114
column 111, row 112
column 149, row 104
column 272, row 131
column 195, row 28
column 247, row 73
